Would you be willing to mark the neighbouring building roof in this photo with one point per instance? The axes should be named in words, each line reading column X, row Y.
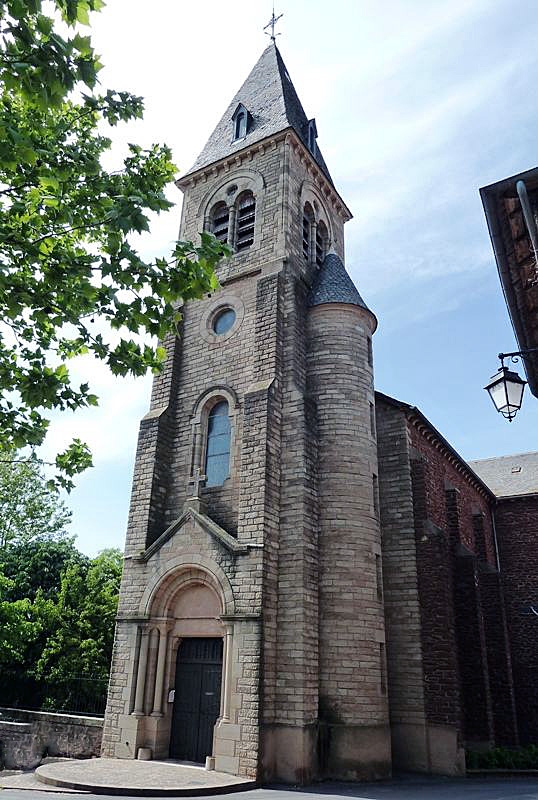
column 516, row 261
column 333, row 284
column 415, row 414
column 270, row 98
column 509, row 476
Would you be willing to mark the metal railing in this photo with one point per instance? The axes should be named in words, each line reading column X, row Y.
column 71, row 694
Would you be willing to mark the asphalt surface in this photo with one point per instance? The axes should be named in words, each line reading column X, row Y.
column 403, row 789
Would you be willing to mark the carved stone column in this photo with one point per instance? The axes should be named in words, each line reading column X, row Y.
column 141, row 674
column 231, row 226
column 228, row 656
column 159, row 674
column 197, row 455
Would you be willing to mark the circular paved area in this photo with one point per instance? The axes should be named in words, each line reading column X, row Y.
column 138, row 778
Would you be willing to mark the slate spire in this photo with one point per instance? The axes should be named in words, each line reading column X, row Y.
column 333, row 284
column 273, row 105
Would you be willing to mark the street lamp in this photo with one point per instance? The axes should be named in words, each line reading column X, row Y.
column 506, row 387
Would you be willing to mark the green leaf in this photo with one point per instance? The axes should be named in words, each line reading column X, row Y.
column 49, row 182
column 82, row 13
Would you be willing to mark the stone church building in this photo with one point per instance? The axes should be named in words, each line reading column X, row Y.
column 311, row 585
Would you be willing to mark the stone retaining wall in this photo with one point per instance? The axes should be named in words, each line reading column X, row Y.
column 26, row 737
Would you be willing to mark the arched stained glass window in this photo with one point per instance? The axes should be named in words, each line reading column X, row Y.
column 217, row 464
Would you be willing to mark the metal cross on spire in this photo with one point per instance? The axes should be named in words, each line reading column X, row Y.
column 271, row 24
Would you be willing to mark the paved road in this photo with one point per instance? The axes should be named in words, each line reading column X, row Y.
column 405, row 789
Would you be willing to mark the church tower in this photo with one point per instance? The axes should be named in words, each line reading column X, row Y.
column 250, row 631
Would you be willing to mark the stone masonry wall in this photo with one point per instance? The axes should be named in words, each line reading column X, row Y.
column 245, row 365
column 400, row 586
column 291, row 670
column 26, row 737
column 269, row 503
column 435, row 584
column 517, row 531
column 443, row 599
column 353, row 700
column 459, row 510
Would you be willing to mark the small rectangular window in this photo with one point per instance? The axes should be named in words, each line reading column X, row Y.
column 372, row 419
column 370, row 352
column 379, row 576
column 375, row 492
column 382, row 669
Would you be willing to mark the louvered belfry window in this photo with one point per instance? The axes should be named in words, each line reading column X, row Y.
column 321, row 243
column 308, row 218
column 246, row 215
column 220, row 221
column 306, row 237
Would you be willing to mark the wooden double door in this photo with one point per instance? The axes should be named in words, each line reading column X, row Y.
column 196, row 698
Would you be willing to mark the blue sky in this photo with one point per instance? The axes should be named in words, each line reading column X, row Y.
column 418, row 104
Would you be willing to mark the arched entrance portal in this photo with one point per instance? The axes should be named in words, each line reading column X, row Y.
column 186, row 609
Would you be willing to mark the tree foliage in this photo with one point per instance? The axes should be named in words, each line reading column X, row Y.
column 81, row 643
column 56, row 645
column 71, row 281
column 29, row 509
column 38, row 566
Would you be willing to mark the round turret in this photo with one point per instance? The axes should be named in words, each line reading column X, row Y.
column 353, row 702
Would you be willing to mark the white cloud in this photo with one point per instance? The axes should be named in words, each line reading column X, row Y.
column 108, row 429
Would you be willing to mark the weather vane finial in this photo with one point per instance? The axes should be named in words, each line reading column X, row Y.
column 271, row 24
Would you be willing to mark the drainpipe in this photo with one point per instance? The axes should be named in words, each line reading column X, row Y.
column 529, row 216
column 495, row 540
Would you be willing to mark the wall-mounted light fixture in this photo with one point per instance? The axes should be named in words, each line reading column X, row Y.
column 506, row 387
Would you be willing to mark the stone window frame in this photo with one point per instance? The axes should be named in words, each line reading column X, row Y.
column 218, row 428
column 221, row 302
column 199, row 427
column 310, row 196
column 228, row 191
column 242, row 122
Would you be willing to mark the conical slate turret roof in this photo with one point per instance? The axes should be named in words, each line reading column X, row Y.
column 270, row 97
column 334, row 285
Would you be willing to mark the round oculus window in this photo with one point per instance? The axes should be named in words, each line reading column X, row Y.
column 223, row 321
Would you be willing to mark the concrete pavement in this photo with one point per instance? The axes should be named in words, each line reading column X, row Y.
column 405, row 788
column 139, row 778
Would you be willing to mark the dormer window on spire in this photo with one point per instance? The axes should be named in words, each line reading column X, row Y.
column 241, row 120
column 312, row 136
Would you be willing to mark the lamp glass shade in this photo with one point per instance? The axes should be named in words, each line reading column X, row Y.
column 506, row 391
